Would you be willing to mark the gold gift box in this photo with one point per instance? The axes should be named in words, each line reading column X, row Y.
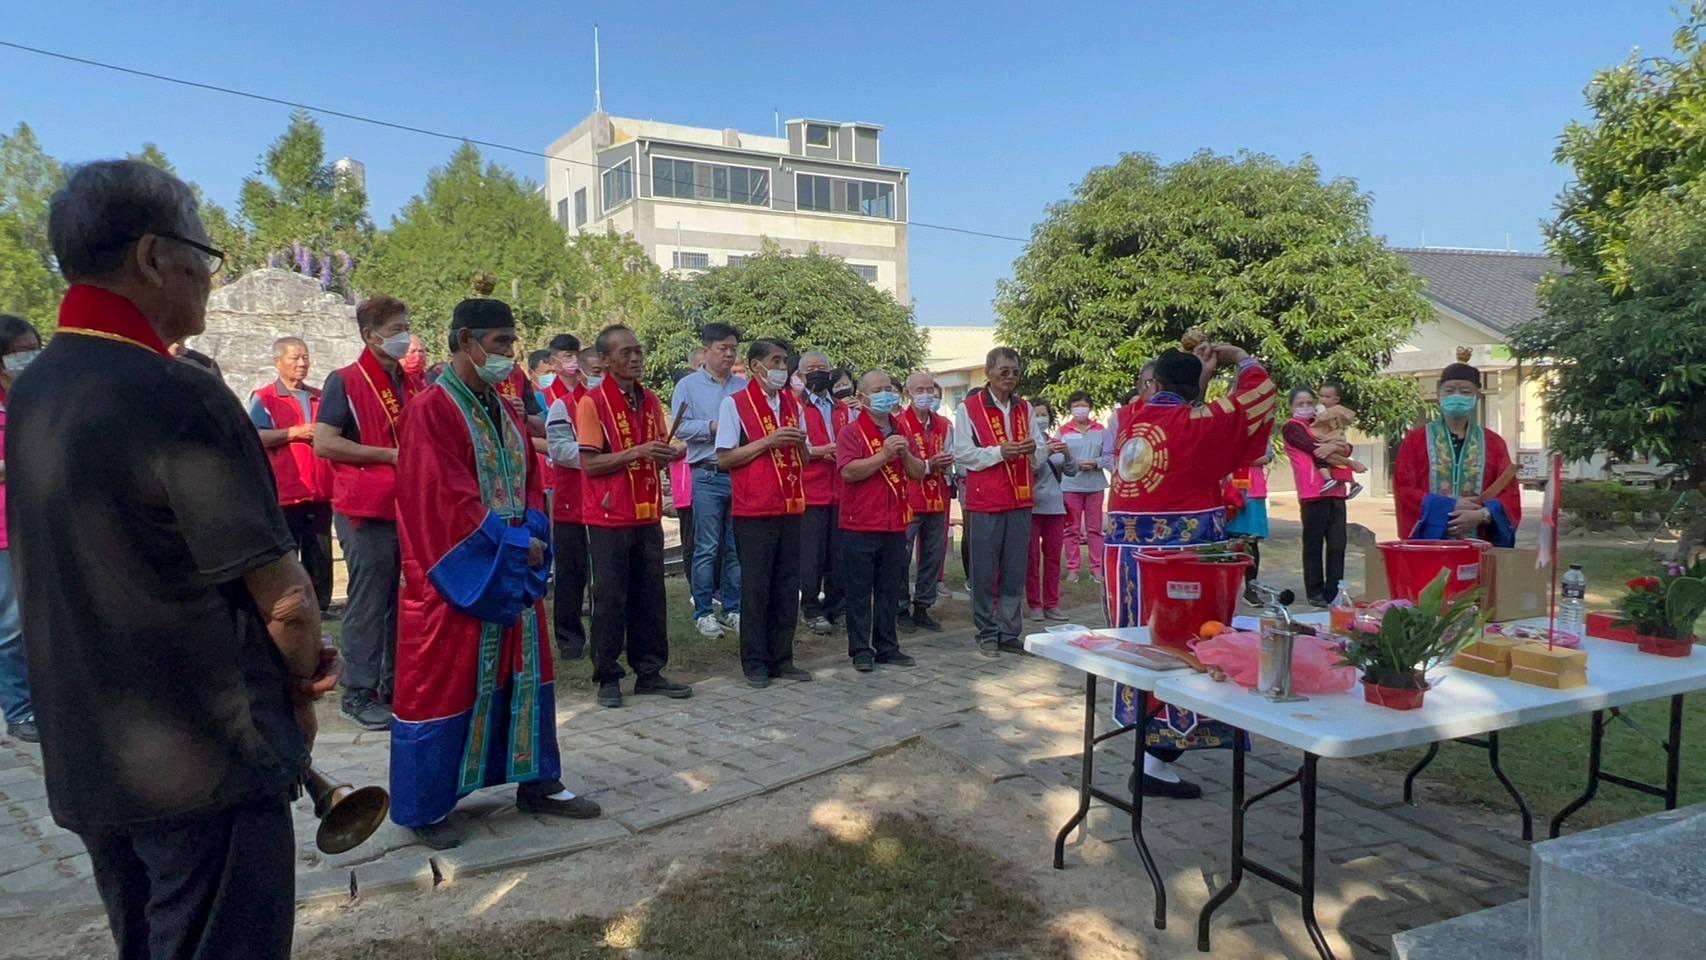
column 1490, row 655
column 1558, row 667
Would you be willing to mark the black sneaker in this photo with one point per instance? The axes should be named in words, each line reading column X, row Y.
column 571, row 649
column 897, row 659
column 1014, row 645
column 659, row 685
column 1356, row 491
column 1330, row 485
column 364, row 709
column 1251, row 597
column 24, row 730
column 989, row 648
column 903, row 623
column 757, row 681
column 1168, row 789
column 921, row 617
column 796, row 674
column 610, row 694
column 536, row 798
column 864, row 663
column 439, row 836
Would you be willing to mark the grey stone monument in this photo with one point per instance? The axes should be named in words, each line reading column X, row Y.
column 245, row 317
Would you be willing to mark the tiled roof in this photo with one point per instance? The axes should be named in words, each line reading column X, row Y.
column 1492, row 287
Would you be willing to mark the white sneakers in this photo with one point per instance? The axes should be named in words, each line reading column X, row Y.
column 732, row 621
column 709, row 627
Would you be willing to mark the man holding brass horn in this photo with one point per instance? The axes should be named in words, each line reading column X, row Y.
column 174, row 639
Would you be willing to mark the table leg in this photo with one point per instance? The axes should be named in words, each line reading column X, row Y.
column 1237, row 877
column 1490, row 744
column 1085, row 773
column 1671, row 745
column 1306, row 786
column 1416, row 771
column 1148, row 709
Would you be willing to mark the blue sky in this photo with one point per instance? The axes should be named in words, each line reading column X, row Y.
column 1447, row 112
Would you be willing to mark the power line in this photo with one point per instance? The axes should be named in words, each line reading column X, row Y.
column 404, row 127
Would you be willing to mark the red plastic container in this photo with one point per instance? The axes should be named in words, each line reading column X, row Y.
column 1600, row 625
column 1411, row 565
column 1178, row 593
column 1393, row 698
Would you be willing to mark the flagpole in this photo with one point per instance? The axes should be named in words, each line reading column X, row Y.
column 1554, row 498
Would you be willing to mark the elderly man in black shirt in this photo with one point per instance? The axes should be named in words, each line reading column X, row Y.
column 174, row 639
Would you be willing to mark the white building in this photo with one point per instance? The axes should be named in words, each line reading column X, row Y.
column 697, row 198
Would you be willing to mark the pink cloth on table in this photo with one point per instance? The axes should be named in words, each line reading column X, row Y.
column 1313, row 660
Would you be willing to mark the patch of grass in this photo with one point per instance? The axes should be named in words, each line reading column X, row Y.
column 1548, row 761
column 904, row 891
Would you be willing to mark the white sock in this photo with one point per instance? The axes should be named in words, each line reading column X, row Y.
column 1154, row 767
column 563, row 794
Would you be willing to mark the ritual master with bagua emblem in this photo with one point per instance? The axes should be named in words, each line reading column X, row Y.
column 1169, row 453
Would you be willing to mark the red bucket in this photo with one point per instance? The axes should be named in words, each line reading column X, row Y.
column 1178, row 592
column 1411, row 565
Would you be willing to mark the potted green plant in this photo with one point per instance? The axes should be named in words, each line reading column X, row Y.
column 1664, row 609
column 1394, row 654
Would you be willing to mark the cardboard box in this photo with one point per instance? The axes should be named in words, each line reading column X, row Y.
column 1490, row 655
column 1557, row 667
column 1512, row 588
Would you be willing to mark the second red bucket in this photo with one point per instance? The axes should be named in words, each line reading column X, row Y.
column 1179, row 592
column 1411, row 565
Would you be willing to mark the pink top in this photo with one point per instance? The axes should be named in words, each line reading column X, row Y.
column 1304, row 466
column 680, row 484
column 1258, row 483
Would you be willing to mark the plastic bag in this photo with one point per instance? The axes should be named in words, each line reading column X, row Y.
column 1312, row 670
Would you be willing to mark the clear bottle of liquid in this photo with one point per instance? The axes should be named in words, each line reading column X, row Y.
column 1343, row 611
column 1572, row 601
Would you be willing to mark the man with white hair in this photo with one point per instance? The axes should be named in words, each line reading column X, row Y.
column 283, row 413
column 174, row 638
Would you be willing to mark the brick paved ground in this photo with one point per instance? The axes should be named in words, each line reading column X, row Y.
column 1015, row 721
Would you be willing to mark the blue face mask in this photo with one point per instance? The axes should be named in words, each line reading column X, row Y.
column 884, row 401
column 546, row 379
column 496, row 369
column 1457, row 405
column 593, row 382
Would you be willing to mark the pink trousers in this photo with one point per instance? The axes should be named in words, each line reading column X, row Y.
column 1046, row 535
column 1084, row 524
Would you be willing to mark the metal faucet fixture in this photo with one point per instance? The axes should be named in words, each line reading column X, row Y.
column 1279, row 639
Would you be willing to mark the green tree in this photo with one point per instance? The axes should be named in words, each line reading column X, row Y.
column 1623, row 331
column 814, row 301
column 308, row 213
column 472, row 219
column 1248, row 249
column 614, row 282
column 224, row 232
column 30, row 285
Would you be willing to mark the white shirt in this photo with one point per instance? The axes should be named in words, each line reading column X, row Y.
column 969, row 456
column 561, row 444
column 729, row 429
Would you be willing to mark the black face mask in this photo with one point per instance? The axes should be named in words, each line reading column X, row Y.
column 843, row 391
column 817, row 381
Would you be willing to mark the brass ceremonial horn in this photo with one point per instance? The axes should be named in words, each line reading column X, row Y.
column 347, row 816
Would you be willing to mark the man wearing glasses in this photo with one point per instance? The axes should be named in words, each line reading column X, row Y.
column 174, row 638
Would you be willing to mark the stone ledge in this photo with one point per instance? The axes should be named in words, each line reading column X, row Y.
column 1497, row 934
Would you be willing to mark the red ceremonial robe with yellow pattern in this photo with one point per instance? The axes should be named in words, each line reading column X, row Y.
column 474, row 700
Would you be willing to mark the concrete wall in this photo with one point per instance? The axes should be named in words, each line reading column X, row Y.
column 245, row 317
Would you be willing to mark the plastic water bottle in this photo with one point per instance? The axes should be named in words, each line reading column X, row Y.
column 1573, row 601
column 1343, row 612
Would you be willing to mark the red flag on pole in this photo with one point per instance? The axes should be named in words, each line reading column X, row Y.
column 1548, row 554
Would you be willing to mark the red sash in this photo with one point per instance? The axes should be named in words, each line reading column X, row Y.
column 988, row 491
column 624, row 430
column 369, row 490
column 823, row 480
column 891, row 471
column 566, row 481
column 560, row 388
column 754, row 497
column 302, row 477
column 929, row 495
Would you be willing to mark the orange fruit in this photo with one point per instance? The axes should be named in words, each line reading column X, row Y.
column 1210, row 629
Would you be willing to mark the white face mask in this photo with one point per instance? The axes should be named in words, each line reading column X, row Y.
column 1320, row 408
column 924, row 402
column 396, row 346
column 1041, row 423
column 776, row 377
column 16, row 362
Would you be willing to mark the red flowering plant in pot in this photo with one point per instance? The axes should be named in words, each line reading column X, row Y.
column 1664, row 609
column 1394, row 654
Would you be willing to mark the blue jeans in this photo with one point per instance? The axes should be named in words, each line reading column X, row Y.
column 14, row 666
column 713, row 534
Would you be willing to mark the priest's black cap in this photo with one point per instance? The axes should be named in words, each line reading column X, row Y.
column 481, row 313
column 1461, row 371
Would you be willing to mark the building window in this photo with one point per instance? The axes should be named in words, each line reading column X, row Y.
column 819, row 135
column 866, row 271
column 619, row 184
column 563, row 213
column 692, row 261
column 688, row 180
column 580, row 207
column 737, row 260
column 866, row 198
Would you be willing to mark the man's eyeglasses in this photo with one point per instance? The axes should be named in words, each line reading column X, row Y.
column 215, row 258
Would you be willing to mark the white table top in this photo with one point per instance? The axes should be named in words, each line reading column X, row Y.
column 1461, row 704
column 1054, row 646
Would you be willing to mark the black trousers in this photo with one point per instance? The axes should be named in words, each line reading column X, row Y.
column 222, row 885
column 627, row 600
column 569, row 594
column 375, row 567
column 820, row 562
column 1323, row 546
column 311, row 527
column 874, row 575
column 769, row 551
column 1254, row 570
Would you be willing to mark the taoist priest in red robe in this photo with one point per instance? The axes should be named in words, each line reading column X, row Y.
column 474, row 703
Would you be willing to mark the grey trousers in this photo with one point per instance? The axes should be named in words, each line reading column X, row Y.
column 998, row 563
column 927, row 543
column 375, row 567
